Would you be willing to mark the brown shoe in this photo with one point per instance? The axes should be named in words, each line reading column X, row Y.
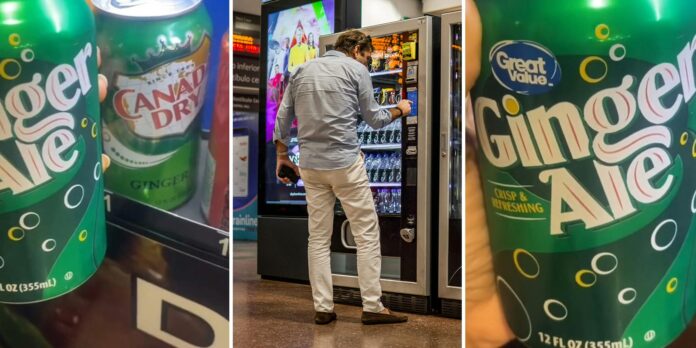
column 369, row 318
column 323, row 318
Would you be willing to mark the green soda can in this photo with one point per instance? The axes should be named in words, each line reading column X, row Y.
column 52, row 227
column 587, row 140
column 155, row 55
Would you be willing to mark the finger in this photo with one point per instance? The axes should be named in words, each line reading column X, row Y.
column 98, row 57
column 106, row 162
column 103, row 85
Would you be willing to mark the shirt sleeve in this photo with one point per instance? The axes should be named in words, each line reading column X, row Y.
column 285, row 116
column 370, row 110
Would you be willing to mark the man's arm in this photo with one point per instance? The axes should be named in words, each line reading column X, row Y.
column 281, row 133
column 370, row 110
column 285, row 116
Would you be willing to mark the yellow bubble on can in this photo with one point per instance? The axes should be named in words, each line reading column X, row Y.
column 602, row 31
column 684, row 138
column 582, row 283
column 11, row 233
column 3, row 69
column 83, row 236
column 672, row 285
column 515, row 257
column 94, row 130
column 583, row 69
column 511, row 105
column 84, row 122
column 14, row 39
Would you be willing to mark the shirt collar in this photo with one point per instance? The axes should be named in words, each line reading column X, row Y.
column 334, row 53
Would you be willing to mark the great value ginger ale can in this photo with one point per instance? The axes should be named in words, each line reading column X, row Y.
column 155, row 55
column 586, row 125
column 52, row 228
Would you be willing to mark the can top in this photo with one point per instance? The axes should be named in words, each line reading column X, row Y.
column 145, row 8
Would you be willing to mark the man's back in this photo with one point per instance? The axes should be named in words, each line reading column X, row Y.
column 326, row 96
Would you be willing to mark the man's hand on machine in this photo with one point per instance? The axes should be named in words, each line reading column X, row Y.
column 403, row 108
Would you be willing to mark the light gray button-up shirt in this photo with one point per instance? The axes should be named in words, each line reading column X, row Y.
column 325, row 95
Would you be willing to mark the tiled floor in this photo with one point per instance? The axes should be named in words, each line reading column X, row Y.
column 279, row 314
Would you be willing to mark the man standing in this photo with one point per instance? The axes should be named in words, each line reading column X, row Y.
column 326, row 95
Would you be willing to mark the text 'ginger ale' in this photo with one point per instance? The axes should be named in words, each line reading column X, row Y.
column 587, row 142
column 52, row 228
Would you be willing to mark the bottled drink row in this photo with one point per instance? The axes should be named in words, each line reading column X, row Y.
column 387, row 201
column 383, row 168
column 390, row 134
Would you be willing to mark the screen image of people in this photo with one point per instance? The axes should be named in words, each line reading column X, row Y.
column 293, row 37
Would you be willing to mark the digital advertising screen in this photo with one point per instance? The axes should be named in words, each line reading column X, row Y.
column 293, row 39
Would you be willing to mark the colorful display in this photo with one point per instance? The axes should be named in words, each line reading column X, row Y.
column 157, row 68
column 293, row 39
column 587, row 136
column 51, row 188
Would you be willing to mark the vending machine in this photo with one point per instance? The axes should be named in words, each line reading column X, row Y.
column 450, row 228
column 288, row 27
column 400, row 163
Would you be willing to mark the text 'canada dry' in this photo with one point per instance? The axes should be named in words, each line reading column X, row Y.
column 155, row 55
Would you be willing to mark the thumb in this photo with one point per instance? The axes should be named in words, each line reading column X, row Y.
column 106, row 162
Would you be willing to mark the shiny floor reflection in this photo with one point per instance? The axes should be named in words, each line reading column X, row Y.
column 279, row 314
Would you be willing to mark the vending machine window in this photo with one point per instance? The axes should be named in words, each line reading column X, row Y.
column 451, row 136
column 398, row 161
column 383, row 149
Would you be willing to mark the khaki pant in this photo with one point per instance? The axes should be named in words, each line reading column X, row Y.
column 351, row 186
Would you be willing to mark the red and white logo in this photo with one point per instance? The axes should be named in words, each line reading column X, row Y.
column 162, row 102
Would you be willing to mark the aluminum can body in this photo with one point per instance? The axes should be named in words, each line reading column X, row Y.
column 215, row 203
column 587, row 136
column 155, row 55
column 52, row 223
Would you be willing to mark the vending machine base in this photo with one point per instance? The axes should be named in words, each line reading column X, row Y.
column 282, row 249
column 282, row 254
column 451, row 308
column 398, row 302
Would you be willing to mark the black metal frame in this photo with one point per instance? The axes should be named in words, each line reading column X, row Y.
column 191, row 237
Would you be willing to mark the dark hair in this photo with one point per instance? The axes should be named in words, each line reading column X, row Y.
column 351, row 38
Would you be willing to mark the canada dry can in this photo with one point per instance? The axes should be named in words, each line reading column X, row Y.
column 216, row 199
column 155, row 55
column 586, row 132
column 52, row 228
